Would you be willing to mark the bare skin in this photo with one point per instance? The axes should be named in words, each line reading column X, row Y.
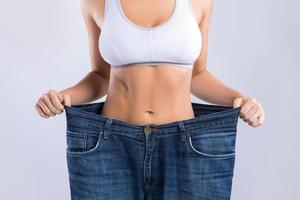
column 146, row 94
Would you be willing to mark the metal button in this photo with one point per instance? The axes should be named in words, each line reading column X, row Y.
column 147, row 130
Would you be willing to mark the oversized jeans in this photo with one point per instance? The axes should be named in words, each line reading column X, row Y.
column 111, row 159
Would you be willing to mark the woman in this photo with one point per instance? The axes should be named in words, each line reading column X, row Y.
column 148, row 140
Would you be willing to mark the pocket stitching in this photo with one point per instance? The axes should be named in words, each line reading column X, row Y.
column 88, row 151
column 206, row 154
column 212, row 134
column 79, row 133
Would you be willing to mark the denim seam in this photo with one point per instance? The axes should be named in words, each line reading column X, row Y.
column 88, row 151
column 85, row 129
column 173, row 134
column 209, row 135
column 214, row 125
column 215, row 129
column 208, row 155
column 77, row 134
column 202, row 127
column 127, row 135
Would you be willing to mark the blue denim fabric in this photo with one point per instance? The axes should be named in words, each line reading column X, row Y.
column 110, row 159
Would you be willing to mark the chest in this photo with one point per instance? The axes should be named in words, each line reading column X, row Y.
column 175, row 40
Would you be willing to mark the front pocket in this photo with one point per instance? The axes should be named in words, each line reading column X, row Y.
column 80, row 142
column 213, row 144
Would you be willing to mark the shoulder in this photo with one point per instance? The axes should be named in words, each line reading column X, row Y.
column 203, row 3
column 207, row 5
column 91, row 3
column 202, row 8
column 91, row 6
column 93, row 10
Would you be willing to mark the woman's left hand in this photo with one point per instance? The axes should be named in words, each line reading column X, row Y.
column 251, row 110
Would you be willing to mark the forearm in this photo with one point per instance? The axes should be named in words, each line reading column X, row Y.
column 207, row 88
column 92, row 87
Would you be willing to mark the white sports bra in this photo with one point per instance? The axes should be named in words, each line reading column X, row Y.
column 177, row 41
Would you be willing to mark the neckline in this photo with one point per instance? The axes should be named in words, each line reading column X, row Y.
column 147, row 28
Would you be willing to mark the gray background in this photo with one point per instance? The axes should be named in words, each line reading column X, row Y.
column 253, row 47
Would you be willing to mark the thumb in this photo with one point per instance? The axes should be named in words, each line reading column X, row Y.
column 67, row 99
column 237, row 102
column 60, row 96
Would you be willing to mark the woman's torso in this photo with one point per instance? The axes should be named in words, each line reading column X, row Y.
column 145, row 93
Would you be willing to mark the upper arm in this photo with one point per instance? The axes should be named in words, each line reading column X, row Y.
column 93, row 32
column 205, row 10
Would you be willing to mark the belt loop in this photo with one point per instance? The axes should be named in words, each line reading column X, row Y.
column 182, row 129
column 106, row 129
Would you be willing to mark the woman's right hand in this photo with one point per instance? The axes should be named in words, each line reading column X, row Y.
column 52, row 103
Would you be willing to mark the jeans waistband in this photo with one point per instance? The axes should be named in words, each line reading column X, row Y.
column 88, row 117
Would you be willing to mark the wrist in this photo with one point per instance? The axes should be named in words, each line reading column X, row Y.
column 239, row 95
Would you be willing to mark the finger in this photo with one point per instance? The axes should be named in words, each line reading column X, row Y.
column 246, row 107
column 49, row 104
column 60, row 96
column 251, row 112
column 237, row 102
column 40, row 111
column 261, row 118
column 44, row 107
column 67, row 99
column 55, row 100
column 254, row 118
column 254, row 124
